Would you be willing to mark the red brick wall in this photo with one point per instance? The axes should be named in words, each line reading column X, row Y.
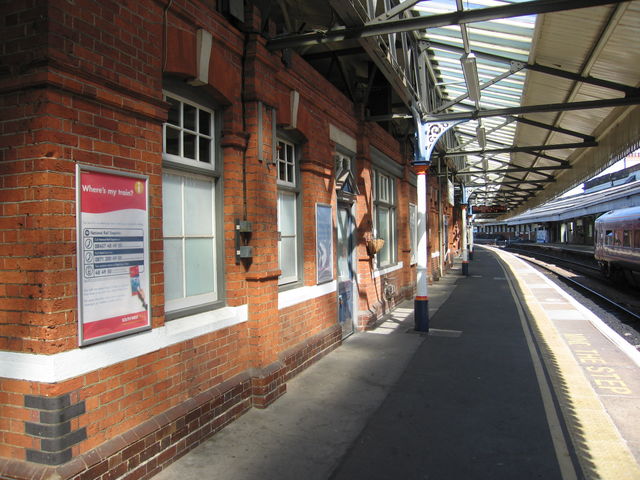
column 84, row 86
column 455, row 231
column 433, row 225
column 373, row 302
column 125, row 394
column 97, row 103
column 301, row 321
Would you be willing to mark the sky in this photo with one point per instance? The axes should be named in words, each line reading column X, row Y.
column 630, row 161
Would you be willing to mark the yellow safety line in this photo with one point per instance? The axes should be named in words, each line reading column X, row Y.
column 600, row 449
column 557, row 436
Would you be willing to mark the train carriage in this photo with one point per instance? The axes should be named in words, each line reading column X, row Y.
column 617, row 245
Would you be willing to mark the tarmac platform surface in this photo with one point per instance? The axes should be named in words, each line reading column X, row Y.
column 514, row 381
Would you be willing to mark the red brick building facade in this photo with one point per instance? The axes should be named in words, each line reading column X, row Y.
column 175, row 93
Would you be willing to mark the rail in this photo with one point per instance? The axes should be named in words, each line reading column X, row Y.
column 576, row 283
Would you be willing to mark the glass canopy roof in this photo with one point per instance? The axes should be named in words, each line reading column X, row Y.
column 567, row 117
column 501, row 83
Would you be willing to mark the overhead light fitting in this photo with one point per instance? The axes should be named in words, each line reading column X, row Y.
column 470, row 71
column 481, row 136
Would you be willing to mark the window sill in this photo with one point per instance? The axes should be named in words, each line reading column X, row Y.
column 193, row 326
column 383, row 271
column 294, row 296
column 80, row 361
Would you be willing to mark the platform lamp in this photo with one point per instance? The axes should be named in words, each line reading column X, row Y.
column 470, row 71
column 481, row 135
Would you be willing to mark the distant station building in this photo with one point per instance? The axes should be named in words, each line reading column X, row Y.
column 571, row 219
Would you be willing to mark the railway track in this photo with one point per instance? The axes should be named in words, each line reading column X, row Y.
column 588, row 280
column 588, row 266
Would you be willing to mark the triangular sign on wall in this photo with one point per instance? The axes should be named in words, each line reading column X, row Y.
column 346, row 184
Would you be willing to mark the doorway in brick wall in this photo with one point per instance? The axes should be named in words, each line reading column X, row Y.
column 346, row 272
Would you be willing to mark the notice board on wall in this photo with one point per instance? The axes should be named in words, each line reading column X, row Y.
column 112, row 221
column 324, row 243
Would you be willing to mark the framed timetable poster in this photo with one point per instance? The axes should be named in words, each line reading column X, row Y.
column 112, row 221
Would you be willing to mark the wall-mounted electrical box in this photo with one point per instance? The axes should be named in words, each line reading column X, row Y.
column 243, row 226
column 243, row 234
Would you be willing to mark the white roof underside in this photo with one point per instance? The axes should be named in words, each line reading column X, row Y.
column 600, row 42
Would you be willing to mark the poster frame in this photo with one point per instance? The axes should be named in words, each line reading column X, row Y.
column 324, row 221
column 80, row 262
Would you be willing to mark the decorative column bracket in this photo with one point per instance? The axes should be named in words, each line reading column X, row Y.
column 428, row 135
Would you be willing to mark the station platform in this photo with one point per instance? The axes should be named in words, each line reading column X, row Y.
column 514, row 380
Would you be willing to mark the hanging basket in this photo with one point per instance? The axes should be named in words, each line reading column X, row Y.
column 374, row 245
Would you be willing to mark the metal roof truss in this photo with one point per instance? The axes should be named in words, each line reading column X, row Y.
column 419, row 47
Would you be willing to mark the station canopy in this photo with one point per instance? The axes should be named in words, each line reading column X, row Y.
column 544, row 94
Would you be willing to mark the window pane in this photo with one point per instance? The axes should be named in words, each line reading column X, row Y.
column 288, row 257
column 198, row 207
column 205, row 149
column 344, row 245
column 392, row 235
column 171, row 205
column 173, row 269
column 287, row 213
column 286, row 162
column 172, row 140
column 189, row 118
column 290, row 177
column 290, row 163
column 174, row 111
column 188, row 134
column 205, row 123
column 189, row 145
column 384, row 231
column 199, row 266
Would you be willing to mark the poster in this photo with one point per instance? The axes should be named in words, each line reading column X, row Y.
column 324, row 243
column 113, row 255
